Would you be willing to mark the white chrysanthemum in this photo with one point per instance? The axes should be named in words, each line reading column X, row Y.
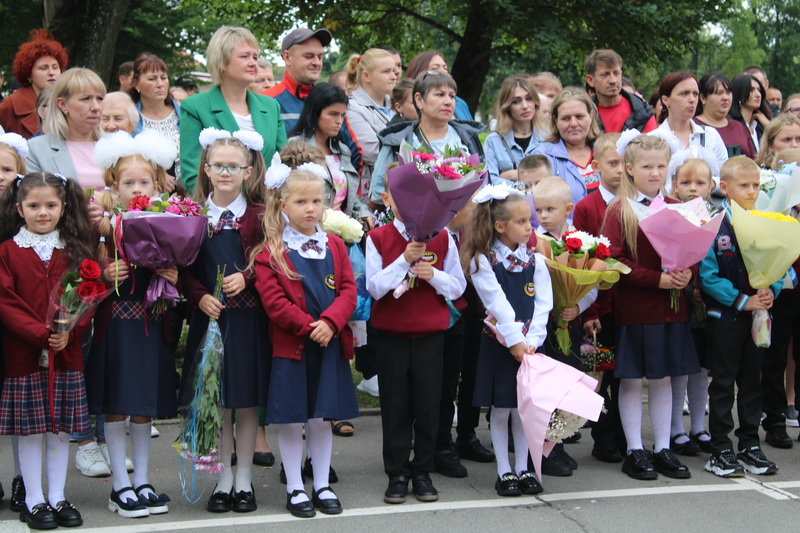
column 587, row 240
column 604, row 240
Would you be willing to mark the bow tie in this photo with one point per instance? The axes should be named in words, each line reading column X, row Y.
column 645, row 201
column 311, row 245
column 226, row 220
column 514, row 261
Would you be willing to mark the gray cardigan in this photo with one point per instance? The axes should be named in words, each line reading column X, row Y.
column 354, row 206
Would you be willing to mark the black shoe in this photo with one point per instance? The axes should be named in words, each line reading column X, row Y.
column 688, row 448
column 704, row 444
column 308, row 472
column 41, row 516
column 637, row 465
column 219, row 502
column 554, row 466
column 156, row 504
column 448, row 464
column 572, row 439
column 302, row 509
column 565, row 457
column 508, row 485
column 129, row 508
column 397, row 490
column 328, row 505
column 667, row 463
column 423, row 488
column 724, row 464
column 778, row 438
column 2, row 492
column 17, row 501
column 67, row 515
column 528, row 483
column 607, row 453
column 754, row 461
column 244, row 501
column 473, row 450
column 263, row 458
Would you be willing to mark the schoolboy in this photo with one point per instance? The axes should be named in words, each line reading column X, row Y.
column 733, row 357
column 410, row 332
column 532, row 169
column 598, row 320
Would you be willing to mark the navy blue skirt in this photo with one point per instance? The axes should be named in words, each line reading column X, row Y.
column 655, row 351
column 496, row 378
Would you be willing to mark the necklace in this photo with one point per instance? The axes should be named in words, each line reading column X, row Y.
column 522, row 134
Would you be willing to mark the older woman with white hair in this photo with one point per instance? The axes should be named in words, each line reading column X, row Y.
column 232, row 61
column 73, row 122
column 118, row 113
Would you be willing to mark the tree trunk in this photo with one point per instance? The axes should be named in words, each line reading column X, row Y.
column 473, row 59
column 99, row 23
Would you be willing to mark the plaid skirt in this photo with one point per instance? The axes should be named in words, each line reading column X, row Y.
column 25, row 409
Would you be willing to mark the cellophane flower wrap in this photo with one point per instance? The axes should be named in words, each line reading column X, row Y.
column 577, row 266
column 681, row 234
column 429, row 189
column 779, row 191
column 160, row 232
column 554, row 400
column 201, row 421
column 72, row 302
column 769, row 243
column 337, row 223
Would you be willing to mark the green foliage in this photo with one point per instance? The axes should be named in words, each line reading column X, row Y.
column 18, row 19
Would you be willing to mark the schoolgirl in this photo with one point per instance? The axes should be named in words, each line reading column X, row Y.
column 514, row 285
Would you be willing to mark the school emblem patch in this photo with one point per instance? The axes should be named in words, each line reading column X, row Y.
column 330, row 281
column 429, row 257
column 529, row 289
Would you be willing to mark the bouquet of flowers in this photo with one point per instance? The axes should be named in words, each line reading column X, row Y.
column 779, row 191
column 769, row 244
column 577, row 266
column 200, row 419
column 682, row 234
column 554, row 400
column 596, row 357
column 72, row 302
column 429, row 189
column 160, row 232
column 337, row 223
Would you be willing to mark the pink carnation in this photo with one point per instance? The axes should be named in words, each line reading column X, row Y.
column 184, row 206
column 174, row 209
column 422, row 156
column 448, row 172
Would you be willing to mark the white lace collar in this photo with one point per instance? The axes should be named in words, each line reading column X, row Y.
column 237, row 207
column 295, row 240
column 504, row 254
column 43, row 245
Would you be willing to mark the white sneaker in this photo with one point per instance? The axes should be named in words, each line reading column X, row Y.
column 792, row 416
column 154, row 431
column 370, row 386
column 89, row 460
column 104, row 451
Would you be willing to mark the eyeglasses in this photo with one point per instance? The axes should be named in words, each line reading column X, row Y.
column 793, row 110
column 233, row 170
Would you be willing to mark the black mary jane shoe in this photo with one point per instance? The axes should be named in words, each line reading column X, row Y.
column 67, row 515
column 156, row 504
column 41, row 516
column 300, row 509
column 508, row 485
column 528, row 483
column 328, row 505
column 244, row 501
column 17, row 500
column 219, row 502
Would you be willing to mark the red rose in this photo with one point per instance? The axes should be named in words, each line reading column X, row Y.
column 573, row 245
column 89, row 270
column 602, row 251
column 139, row 203
column 567, row 234
column 90, row 291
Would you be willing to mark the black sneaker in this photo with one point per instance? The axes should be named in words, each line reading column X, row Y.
column 637, row 465
column 397, row 490
column 448, row 464
column 754, row 461
column 667, row 463
column 724, row 464
column 778, row 438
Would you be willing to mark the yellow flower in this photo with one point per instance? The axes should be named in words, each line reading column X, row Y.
column 774, row 216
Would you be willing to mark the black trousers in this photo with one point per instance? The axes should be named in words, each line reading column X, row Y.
column 410, row 382
column 785, row 322
column 451, row 370
column 607, row 431
column 468, row 414
column 733, row 359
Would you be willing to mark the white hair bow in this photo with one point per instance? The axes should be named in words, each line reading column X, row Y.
column 17, row 142
column 495, row 192
column 251, row 139
column 149, row 144
column 625, row 139
column 314, row 168
column 276, row 173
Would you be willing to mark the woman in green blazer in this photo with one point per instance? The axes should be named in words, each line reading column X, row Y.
column 232, row 62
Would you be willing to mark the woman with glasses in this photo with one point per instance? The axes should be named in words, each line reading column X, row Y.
column 232, row 57
column 792, row 105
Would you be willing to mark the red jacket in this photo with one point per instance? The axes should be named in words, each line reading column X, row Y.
column 284, row 301
column 589, row 216
column 25, row 286
column 18, row 112
column 638, row 300
column 251, row 236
